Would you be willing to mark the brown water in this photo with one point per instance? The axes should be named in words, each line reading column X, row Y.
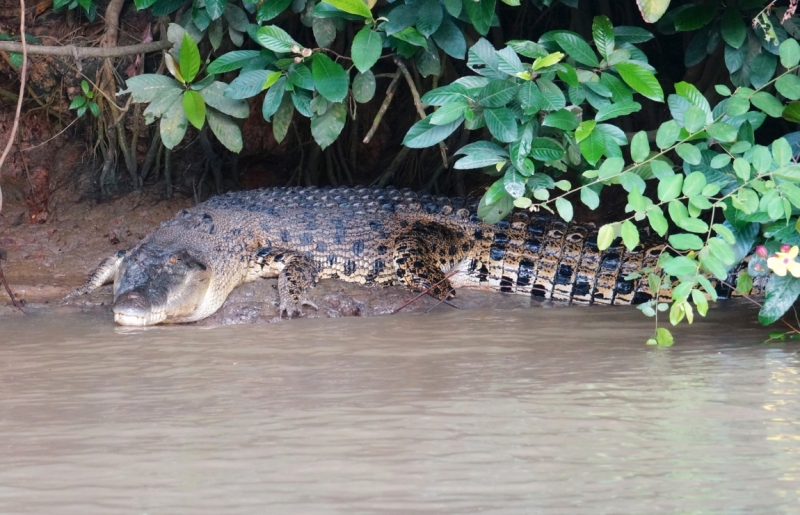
column 552, row 411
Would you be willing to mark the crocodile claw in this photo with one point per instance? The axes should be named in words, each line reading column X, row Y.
column 293, row 308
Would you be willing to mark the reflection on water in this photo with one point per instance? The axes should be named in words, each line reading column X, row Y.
column 529, row 411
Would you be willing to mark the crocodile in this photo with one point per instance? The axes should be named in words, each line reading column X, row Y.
column 184, row 270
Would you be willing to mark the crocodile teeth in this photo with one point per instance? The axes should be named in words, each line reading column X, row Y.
column 134, row 320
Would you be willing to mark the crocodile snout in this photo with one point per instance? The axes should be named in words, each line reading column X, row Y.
column 133, row 308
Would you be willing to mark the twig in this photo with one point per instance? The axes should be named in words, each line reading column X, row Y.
column 787, row 324
column 23, row 77
column 426, row 290
column 8, row 289
column 84, row 52
column 384, row 106
column 418, row 104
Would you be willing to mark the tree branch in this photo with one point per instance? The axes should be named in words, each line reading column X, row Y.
column 84, row 52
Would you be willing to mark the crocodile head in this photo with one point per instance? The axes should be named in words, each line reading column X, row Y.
column 157, row 283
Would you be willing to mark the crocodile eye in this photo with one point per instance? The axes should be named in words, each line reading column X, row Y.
column 173, row 260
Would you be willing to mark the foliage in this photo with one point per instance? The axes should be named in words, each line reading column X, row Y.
column 84, row 102
column 89, row 7
column 550, row 111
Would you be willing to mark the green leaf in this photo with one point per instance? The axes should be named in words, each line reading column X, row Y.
column 669, row 188
column 721, row 251
column 605, row 236
column 300, row 76
column 364, row 87
column 789, row 86
column 722, row 131
column 684, row 241
column 640, row 80
column 412, row 36
column 584, row 129
column 733, row 30
column 546, row 149
column 680, row 266
column 77, row 102
column 782, row 152
column 173, row 124
column 762, row 69
column 514, row 183
column 652, row 10
column 767, row 103
column 590, row 198
column 214, row 96
column 630, row 234
column 695, row 17
column 548, row 60
column 330, row 78
column 497, row 93
column 694, row 119
column 450, row 39
column 270, row 9
column 480, row 14
column 667, row 134
column 593, row 146
column 563, row 119
column 149, row 87
column 478, row 160
column 603, row 34
column 324, row 30
column 791, row 112
column 501, row 124
column 94, row 108
column 640, row 147
column 664, row 337
column 693, row 225
column 657, row 220
column 492, row 213
column 327, row 127
column 700, row 301
column 357, row 7
column 190, row 58
column 694, row 184
column 425, row 134
column 215, row 8
column 195, row 108
column 689, row 153
column 231, row 61
column 577, row 48
column 429, row 17
column 225, row 129
column 449, row 112
column 564, row 208
column 781, row 293
column 789, row 52
column 283, row 118
column 272, row 100
column 367, row 48
column 276, row 39
column 619, row 109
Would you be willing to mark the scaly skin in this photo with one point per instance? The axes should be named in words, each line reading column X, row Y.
column 185, row 270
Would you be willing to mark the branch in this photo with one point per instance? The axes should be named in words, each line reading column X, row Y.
column 384, row 106
column 23, row 78
column 419, row 105
column 80, row 52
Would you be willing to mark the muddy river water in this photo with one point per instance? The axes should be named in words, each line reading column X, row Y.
column 552, row 411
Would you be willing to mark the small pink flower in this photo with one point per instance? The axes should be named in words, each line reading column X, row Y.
column 761, row 251
column 785, row 248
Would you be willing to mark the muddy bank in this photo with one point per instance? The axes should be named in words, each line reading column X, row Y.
column 47, row 261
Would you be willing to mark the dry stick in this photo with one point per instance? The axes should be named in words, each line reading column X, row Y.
column 426, row 290
column 10, row 293
column 22, row 80
column 787, row 324
column 384, row 107
column 418, row 104
column 84, row 52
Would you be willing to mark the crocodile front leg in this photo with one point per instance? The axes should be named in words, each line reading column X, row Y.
column 297, row 274
column 103, row 274
column 422, row 253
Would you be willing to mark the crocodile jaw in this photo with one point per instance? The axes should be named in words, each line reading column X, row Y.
column 137, row 320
